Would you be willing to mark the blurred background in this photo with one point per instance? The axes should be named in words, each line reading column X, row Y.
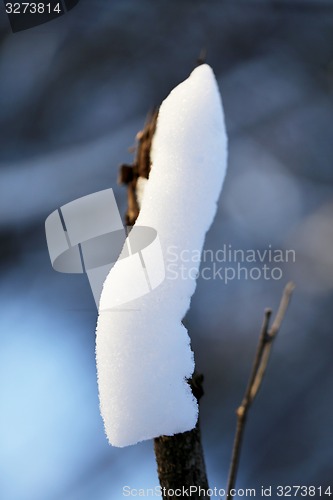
column 73, row 94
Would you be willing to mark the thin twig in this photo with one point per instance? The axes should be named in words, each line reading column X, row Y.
column 256, row 377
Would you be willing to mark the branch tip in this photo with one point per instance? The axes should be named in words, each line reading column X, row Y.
column 256, row 377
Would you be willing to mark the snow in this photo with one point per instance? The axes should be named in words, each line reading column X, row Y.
column 143, row 351
column 140, row 189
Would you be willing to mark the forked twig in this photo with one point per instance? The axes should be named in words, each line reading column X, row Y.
column 267, row 335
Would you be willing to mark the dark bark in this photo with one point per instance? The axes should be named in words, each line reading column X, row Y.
column 129, row 174
column 180, row 458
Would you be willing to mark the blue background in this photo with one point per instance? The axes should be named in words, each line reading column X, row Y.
column 73, row 94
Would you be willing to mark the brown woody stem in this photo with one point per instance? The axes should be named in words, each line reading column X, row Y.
column 256, row 377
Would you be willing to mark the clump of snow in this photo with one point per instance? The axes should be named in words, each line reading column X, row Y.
column 140, row 189
column 142, row 349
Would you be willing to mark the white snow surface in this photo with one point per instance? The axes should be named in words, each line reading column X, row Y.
column 143, row 350
column 140, row 189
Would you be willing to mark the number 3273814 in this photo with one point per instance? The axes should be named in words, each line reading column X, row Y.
column 32, row 8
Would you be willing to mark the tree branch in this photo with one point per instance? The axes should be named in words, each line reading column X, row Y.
column 261, row 359
column 180, row 458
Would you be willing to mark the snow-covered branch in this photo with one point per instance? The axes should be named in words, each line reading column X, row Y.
column 142, row 348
